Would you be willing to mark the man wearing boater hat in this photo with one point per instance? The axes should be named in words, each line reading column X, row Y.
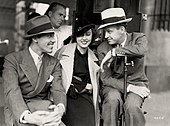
column 119, row 43
column 28, row 75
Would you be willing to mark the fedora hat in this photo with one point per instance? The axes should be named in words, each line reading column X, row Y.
column 113, row 16
column 38, row 25
column 82, row 25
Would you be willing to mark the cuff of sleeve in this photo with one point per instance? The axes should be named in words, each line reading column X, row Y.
column 113, row 52
column 61, row 105
column 21, row 120
column 128, row 88
column 89, row 86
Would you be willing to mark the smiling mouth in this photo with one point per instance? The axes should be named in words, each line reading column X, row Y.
column 84, row 43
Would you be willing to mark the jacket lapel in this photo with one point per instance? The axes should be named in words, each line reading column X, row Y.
column 28, row 67
column 67, row 62
column 129, row 39
column 44, row 73
column 93, row 69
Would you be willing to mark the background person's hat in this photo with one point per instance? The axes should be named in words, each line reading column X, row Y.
column 113, row 16
column 82, row 25
column 38, row 25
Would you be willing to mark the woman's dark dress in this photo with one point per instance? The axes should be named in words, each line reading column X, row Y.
column 80, row 108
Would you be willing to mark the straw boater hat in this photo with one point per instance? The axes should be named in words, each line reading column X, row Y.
column 38, row 25
column 113, row 16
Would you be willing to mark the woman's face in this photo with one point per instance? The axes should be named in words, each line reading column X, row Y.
column 85, row 39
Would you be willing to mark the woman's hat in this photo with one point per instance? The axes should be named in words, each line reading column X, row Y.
column 113, row 16
column 38, row 25
column 82, row 25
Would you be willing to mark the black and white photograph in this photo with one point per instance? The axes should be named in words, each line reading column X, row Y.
column 84, row 62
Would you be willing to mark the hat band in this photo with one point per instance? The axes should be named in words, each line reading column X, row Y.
column 40, row 29
column 113, row 19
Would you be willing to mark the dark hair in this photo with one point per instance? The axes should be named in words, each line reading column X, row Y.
column 32, row 15
column 53, row 6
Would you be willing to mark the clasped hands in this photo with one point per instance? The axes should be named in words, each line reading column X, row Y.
column 73, row 92
column 46, row 118
column 88, row 89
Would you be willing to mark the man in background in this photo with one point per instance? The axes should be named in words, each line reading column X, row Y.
column 57, row 13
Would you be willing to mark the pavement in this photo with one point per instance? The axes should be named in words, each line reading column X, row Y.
column 158, row 110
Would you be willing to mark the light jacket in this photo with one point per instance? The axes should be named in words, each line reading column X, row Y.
column 66, row 57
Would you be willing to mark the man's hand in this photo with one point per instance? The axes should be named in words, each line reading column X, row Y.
column 89, row 88
column 141, row 91
column 54, row 117
column 36, row 118
column 106, row 58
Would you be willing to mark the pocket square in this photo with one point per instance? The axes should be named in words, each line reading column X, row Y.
column 50, row 78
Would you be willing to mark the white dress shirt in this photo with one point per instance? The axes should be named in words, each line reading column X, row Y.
column 37, row 59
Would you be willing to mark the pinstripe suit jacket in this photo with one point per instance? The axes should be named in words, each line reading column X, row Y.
column 22, row 83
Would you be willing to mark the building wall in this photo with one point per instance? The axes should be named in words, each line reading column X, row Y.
column 7, row 22
column 157, row 59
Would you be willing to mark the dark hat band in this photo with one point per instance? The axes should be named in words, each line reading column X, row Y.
column 39, row 29
column 113, row 19
column 82, row 30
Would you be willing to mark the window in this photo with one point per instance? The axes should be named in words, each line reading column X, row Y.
column 161, row 15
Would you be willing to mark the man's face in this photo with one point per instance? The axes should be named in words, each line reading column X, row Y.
column 57, row 16
column 46, row 42
column 113, row 34
column 84, row 40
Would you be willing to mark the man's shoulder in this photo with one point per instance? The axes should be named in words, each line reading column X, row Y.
column 50, row 57
column 65, row 27
column 104, row 45
column 16, row 55
column 137, row 34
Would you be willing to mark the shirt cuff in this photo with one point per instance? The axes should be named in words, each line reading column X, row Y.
column 61, row 105
column 21, row 120
column 89, row 86
column 129, row 87
column 113, row 52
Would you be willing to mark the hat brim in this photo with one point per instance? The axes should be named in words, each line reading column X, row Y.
column 83, row 30
column 118, row 22
column 43, row 32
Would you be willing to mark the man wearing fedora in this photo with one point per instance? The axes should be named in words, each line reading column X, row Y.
column 119, row 43
column 28, row 75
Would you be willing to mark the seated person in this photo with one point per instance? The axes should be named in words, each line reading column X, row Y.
column 80, row 78
column 27, row 79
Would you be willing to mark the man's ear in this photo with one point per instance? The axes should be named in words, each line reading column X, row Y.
column 50, row 14
column 122, row 28
column 34, row 40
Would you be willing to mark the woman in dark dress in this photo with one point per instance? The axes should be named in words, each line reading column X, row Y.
column 80, row 78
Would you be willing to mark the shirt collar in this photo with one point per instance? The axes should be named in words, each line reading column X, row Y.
column 123, row 43
column 35, row 56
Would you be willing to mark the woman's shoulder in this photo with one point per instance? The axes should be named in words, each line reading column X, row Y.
column 67, row 49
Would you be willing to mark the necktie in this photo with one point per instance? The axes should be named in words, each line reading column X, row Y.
column 39, row 63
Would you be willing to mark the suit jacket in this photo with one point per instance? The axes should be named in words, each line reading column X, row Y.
column 22, row 83
column 66, row 57
column 135, row 48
